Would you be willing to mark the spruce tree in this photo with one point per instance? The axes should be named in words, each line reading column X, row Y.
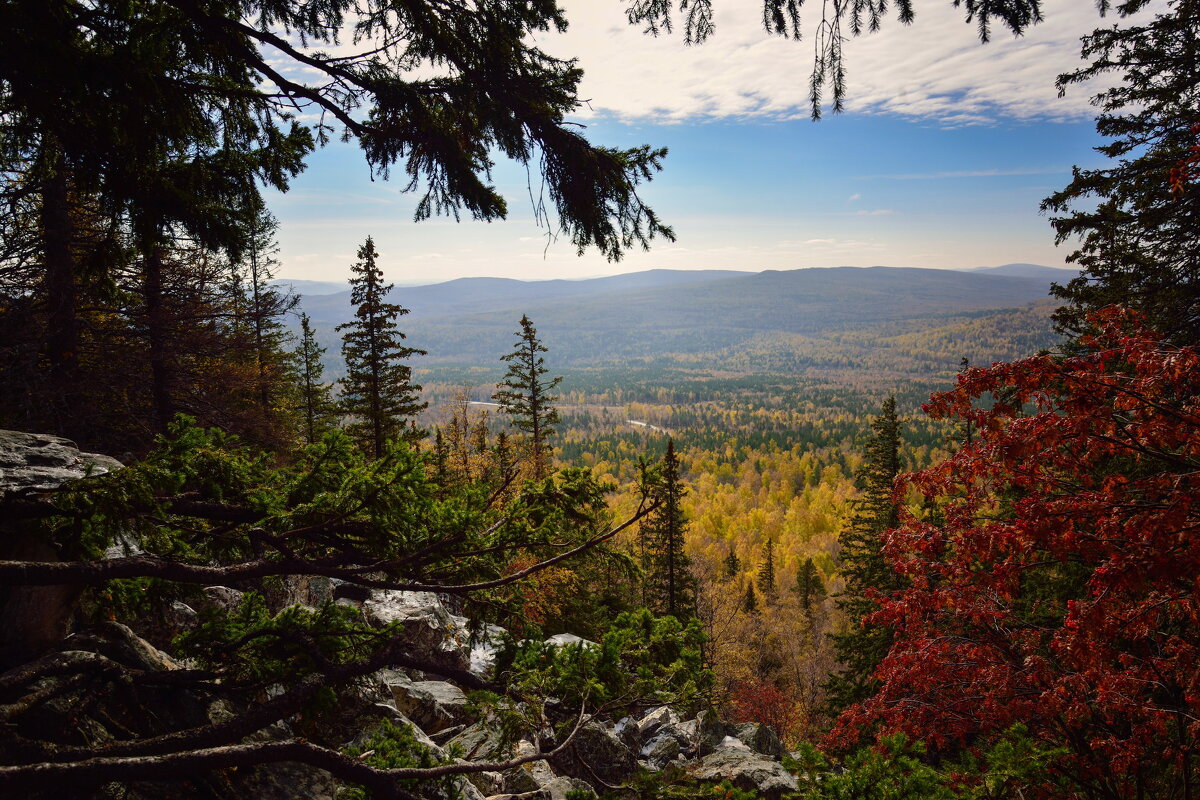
column 524, row 395
column 378, row 394
column 266, row 306
column 318, row 411
column 766, row 573
column 860, row 649
column 809, row 587
column 733, row 564
column 670, row 587
column 1137, row 218
column 750, row 601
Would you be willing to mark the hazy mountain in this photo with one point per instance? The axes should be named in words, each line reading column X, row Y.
column 664, row 313
column 1055, row 274
column 467, row 295
column 311, row 288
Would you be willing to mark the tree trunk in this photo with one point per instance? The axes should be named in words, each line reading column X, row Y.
column 156, row 334
column 62, row 332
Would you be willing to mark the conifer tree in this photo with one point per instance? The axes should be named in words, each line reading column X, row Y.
column 809, row 586
column 524, row 395
column 317, row 408
column 766, row 573
column 733, row 564
column 1136, row 218
column 377, row 393
column 860, row 649
column 670, row 587
column 750, row 601
column 266, row 306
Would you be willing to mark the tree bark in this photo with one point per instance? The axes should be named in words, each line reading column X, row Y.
column 62, row 328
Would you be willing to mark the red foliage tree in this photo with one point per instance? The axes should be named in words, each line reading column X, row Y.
column 1056, row 582
column 763, row 702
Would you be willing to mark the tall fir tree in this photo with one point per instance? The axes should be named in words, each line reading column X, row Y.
column 1136, row 218
column 524, row 395
column 316, row 407
column 810, row 588
column 860, row 649
column 266, row 307
column 750, row 600
column 766, row 573
column 733, row 564
column 378, row 394
column 670, row 587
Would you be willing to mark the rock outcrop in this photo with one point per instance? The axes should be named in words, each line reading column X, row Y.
column 35, row 618
column 35, row 462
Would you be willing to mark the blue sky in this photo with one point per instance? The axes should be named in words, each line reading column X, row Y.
column 941, row 160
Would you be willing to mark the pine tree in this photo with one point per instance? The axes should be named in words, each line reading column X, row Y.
column 1137, row 218
column 266, row 307
column 750, row 601
column 766, row 573
column 733, row 564
column 524, row 395
column 377, row 393
column 670, row 587
column 318, row 411
column 809, row 586
column 860, row 649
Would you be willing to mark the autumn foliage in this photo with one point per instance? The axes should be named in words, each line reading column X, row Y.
column 1054, row 569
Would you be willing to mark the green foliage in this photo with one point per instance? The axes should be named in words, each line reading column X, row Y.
column 674, row 784
column 392, row 746
column 668, row 585
column 1135, row 218
column 641, row 660
column 766, row 572
column 316, row 407
column 524, row 395
column 893, row 771
column 809, row 585
column 377, row 392
column 862, row 647
column 256, row 648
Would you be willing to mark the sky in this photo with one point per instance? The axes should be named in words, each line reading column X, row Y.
column 941, row 159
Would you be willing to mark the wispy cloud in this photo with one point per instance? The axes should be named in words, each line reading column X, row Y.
column 935, row 69
column 852, row 198
column 877, row 212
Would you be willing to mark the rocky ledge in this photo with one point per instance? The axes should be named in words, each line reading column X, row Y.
column 38, row 462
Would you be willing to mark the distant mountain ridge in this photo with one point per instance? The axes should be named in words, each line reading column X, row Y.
column 672, row 313
column 1056, row 274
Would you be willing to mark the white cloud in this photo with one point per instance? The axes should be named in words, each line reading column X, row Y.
column 878, row 212
column 935, row 69
column 854, row 197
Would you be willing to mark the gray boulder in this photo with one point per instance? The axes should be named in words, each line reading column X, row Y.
column 480, row 742
column 38, row 462
column 34, row 619
column 760, row 739
column 427, row 627
column 660, row 752
column 650, row 724
column 627, row 730
column 565, row 639
column 221, row 598
column 710, row 731
column 433, row 705
column 746, row 770
column 595, row 755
